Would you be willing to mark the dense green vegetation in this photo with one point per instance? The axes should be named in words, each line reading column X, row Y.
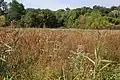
column 85, row 17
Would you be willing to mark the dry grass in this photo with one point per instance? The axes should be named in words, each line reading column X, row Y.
column 46, row 49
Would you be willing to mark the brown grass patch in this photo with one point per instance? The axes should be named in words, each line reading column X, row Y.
column 39, row 48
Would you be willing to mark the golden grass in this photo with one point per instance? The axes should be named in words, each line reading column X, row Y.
column 41, row 48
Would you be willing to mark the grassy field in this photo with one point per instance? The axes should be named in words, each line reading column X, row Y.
column 60, row 54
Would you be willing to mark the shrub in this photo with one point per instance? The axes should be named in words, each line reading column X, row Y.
column 96, row 21
column 2, row 21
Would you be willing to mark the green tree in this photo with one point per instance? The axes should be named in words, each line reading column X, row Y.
column 104, row 11
column 3, row 7
column 71, row 18
column 15, row 12
column 39, row 18
column 115, row 21
column 80, row 22
column 60, row 17
column 114, row 14
column 32, row 19
column 114, row 8
column 48, row 18
column 95, row 21
column 85, row 10
column 67, row 9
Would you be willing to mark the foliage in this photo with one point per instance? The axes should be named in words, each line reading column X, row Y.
column 115, row 21
column 115, row 14
column 95, row 70
column 96, row 17
column 31, row 19
column 71, row 18
column 48, row 18
column 60, row 16
column 5, row 51
column 104, row 11
column 2, row 21
column 3, row 7
column 95, row 20
column 80, row 22
column 15, row 11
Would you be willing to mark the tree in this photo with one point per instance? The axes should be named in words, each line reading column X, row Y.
column 114, row 8
column 15, row 12
column 104, row 11
column 60, row 17
column 39, row 18
column 67, row 9
column 3, row 7
column 96, row 21
column 114, row 14
column 115, row 21
column 71, row 18
column 31, row 10
column 49, row 18
column 80, row 22
column 85, row 10
column 32, row 19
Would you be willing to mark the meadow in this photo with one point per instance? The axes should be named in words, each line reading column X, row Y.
column 59, row 54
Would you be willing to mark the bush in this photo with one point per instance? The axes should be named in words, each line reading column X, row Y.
column 80, row 22
column 96, row 21
column 115, row 21
column 2, row 21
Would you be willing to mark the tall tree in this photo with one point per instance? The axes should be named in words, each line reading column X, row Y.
column 3, row 7
column 49, row 18
column 115, row 14
column 72, row 16
column 104, row 11
column 32, row 19
column 15, row 11
column 67, row 9
column 59, row 16
column 95, row 20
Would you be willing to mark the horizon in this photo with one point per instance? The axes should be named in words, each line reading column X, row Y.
column 62, row 4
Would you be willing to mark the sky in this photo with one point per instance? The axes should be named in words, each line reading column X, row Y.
column 62, row 4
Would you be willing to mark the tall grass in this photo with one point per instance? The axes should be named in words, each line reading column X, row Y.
column 62, row 54
column 5, row 51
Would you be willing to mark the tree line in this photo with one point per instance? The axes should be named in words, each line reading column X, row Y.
column 15, row 14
